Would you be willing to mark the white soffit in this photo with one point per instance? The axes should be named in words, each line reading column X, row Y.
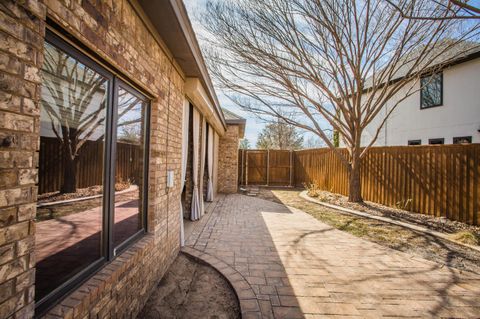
column 199, row 98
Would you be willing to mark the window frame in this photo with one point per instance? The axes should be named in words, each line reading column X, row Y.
column 112, row 250
column 431, row 141
column 415, row 142
column 422, row 107
column 108, row 252
column 456, row 138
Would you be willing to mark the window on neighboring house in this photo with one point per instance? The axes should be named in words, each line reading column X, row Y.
column 434, row 141
column 92, row 169
column 462, row 140
column 415, row 142
column 431, row 92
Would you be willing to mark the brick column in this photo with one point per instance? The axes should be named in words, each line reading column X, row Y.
column 21, row 53
column 228, row 160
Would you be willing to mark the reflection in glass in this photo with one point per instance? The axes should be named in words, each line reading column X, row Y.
column 129, row 166
column 431, row 90
column 72, row 128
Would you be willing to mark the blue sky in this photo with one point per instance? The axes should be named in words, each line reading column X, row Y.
column 254, row 125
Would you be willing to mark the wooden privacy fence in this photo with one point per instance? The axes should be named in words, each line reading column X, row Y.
column 439, row 180
column 89, row 164
column 264, row 167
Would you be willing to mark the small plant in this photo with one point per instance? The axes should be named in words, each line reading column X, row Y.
column 405, row 204
column 122, row 185
column 466, row 237
column 323, row 198
column 312, row 189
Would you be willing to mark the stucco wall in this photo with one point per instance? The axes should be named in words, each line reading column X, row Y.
column 228, row 160
column 114, row 31
column 458, row 116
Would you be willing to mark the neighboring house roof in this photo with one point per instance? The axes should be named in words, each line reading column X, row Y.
column 170, row 19
column 462, row 52
column 234, row 119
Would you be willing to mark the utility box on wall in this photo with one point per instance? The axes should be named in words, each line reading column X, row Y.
column 170, row 178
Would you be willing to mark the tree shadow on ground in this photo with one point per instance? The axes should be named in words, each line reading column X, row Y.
column 393, row 236
column 297, row 266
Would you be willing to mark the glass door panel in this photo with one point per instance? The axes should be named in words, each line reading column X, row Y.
column 129, row 166
column 68, row 234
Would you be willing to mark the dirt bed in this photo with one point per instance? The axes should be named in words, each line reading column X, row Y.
column 393, row 236
column 435, row 223
column 68, row 208
column 81, row 192
column 191, row 290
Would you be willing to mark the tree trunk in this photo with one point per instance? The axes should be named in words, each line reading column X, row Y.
column 355, row 186
column 69, row 184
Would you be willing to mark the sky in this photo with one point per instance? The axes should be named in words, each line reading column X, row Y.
column 254, row 125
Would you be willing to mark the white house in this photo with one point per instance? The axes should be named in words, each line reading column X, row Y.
column 446, row 110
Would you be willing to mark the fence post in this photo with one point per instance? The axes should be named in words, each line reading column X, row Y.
column 291, row 162
column 268, row 167
column 242, row 151
column 243, row 166
column 246, row 167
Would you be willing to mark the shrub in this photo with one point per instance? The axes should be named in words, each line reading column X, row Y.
column 312, row 189
column 466, row 237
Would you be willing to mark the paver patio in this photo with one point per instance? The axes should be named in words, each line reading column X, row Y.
column 299, row 267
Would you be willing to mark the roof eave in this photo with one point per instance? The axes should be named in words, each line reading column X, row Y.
column 170, row 20
column 429, row 70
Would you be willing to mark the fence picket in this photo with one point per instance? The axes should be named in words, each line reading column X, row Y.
column 440, row 180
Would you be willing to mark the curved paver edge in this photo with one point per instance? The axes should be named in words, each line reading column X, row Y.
column 241, row 287
column 387, row 220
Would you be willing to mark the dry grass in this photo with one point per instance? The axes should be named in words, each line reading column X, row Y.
column 400, row 212
column 466, row 237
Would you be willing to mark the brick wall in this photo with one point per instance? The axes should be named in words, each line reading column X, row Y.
column 228, row 160
column 21, row 42
column 117, row 34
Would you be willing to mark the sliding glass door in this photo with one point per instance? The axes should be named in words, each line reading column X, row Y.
column 70, row 216
column 131, row 114
column 92, row 169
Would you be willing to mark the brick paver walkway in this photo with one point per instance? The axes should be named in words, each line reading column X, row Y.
column 299, row 267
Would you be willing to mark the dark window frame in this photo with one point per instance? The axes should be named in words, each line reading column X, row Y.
column 422, row 107
column 108, row 252
column 456, row 139
column 115, row 251
column 433, row 141
column 414, row 142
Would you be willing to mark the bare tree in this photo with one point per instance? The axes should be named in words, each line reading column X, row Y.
column 244, row 144
column 313, row 142
column 326, row 64
column 279, row 136
column 446, row 10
